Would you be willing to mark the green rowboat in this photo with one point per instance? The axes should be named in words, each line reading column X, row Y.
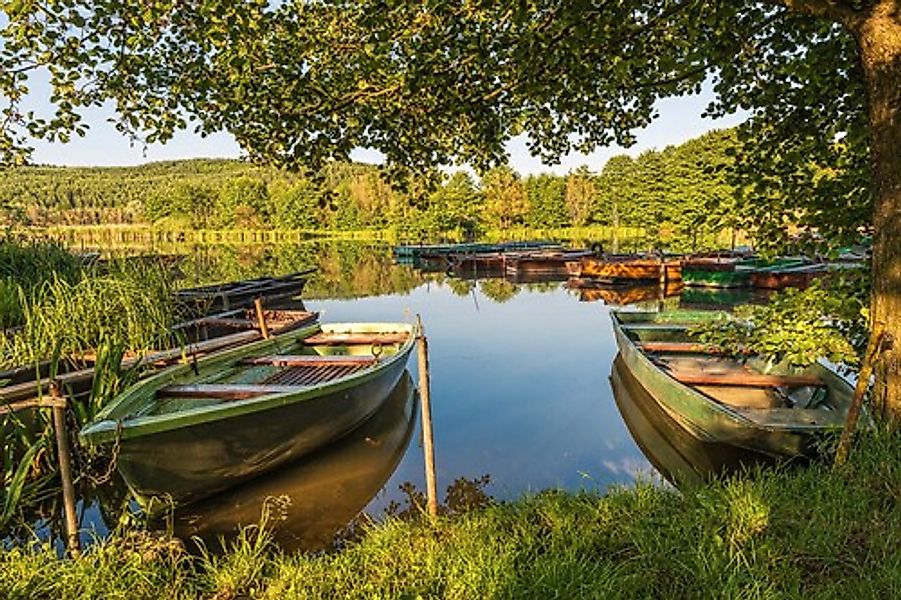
column 776, row 410
column 195, row 429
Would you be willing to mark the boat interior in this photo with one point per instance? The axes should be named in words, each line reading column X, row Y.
column 281, row 367
column 764, row 392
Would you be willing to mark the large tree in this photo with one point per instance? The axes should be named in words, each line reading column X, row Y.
column 300, row 82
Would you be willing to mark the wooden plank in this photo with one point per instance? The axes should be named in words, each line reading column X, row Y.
column 224, row 391
column 306, row 360
column 29, row 389
column 42, row 402
column 683, row 348
column 745, row 379
column 350, row 339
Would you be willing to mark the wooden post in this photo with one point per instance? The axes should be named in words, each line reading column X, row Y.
column 428, row 446
column 261, row 317
column 863, row 382
column 65, row 470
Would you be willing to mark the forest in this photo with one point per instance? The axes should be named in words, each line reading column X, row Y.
column 682, row 192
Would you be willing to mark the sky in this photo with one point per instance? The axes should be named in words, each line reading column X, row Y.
column 679, row 120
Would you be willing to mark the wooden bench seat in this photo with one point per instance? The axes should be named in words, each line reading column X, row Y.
column 308, row 360
column 739, row 379
column 224, row 391
column 355, row 339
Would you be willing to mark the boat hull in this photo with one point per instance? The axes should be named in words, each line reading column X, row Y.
column 711, row 421
column 189, row 463
column 638, row 269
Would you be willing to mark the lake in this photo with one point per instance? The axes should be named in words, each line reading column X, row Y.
column 521, row 399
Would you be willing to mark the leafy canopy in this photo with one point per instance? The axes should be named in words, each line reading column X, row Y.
column 426, row 83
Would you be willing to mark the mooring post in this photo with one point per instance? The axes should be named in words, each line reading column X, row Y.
column 65, row 468
column 261, row 317
column 428, row 446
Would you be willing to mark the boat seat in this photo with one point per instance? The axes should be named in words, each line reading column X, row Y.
column 224, row 391
column 355, row 339
column 310, row 360
column 740, row 379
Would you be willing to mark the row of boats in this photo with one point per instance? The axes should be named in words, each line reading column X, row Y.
column 592, row 267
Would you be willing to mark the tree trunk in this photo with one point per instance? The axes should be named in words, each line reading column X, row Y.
column 878, row 37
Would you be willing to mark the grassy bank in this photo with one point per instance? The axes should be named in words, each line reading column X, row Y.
column 812, row 533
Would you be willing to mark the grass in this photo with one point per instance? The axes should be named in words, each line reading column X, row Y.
column 783, row 533
column 131, row 304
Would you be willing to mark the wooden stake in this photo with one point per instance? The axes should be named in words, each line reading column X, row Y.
column 261, row 317
column 428, row 446
column 65, row 470
column 863, row 382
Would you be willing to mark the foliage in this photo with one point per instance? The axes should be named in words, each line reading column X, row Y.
column 785, row 532
column 680, row 191
column 799, row 326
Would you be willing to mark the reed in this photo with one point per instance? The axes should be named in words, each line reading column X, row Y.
column 132, row 304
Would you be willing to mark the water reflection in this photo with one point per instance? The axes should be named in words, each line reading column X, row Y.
column 677, row 455
column 306, row 503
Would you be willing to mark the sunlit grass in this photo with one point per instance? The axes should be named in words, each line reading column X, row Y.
column 788, row 533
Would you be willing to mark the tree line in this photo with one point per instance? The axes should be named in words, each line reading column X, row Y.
column 680, row 191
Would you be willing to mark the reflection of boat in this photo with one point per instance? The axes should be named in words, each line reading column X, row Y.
column 680, row 457
column 622, row 295
column 780, row 410
column 709, row 298
column 198, row 428
column 311, row 499
column 613, row 268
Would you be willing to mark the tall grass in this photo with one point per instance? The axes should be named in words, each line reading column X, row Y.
column 131, row 304
column 129, row 307
column 25, row 264
column 816, row 532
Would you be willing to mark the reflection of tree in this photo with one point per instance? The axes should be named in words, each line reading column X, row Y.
column 499, row 290
column 460, row 287
column 542, row 287
column 344, row 269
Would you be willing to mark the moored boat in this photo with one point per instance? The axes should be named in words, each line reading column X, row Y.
column 780, row 277
column 777, row 410
column 615, row 269
column 544, row 262
column 714, row 271
column 199, row 428
column 236, row 294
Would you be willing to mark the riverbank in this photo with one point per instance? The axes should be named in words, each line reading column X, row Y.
column 811, row 532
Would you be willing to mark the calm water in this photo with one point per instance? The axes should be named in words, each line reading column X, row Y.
column 521, row 401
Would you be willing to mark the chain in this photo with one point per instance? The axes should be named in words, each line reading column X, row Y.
column 113, row 460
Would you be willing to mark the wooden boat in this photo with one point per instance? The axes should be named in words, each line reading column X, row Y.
column 715, row 272
column 236, row 294
column 436, row 250
column 778, row 411
column 198, row 428
column 545, row 262
column 615, row 269
column 780, row 277
column 25, row 387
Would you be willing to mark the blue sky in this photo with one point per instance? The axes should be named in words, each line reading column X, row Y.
column 679, row 120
